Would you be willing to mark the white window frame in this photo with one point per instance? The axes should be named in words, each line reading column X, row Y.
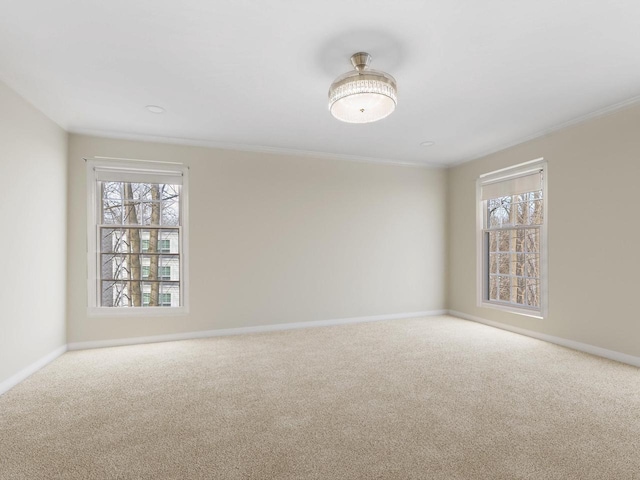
column 146, row 167
column 482, row 262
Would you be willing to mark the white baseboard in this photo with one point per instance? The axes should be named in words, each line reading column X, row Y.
column 582, row 347
column 245, row 330
column 15, row 379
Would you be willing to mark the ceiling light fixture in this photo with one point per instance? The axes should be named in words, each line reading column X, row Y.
column 363, row 95
column 155, row 109
column 428, row 143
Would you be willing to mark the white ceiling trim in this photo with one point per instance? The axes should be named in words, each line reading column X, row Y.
column 355, row 158
column 248, row 148
column 603, row 112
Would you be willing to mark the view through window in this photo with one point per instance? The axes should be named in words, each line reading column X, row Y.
column 139, row 244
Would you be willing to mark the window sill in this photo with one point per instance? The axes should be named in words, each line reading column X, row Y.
column 137, row 311
column 512, row 309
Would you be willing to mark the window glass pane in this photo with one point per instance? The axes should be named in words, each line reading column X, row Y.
column 170, row 267
column 493, row 241
column 493, row 263
column 133, row 239
column 536, row 212
column 141, row 213
column 165, row 272
column 111, row 212
column 504, row 241
column 114, row 267
column 149, row 294
column 521, row 209
column 165, row 299
column 142, row 191
column 520, row 291
column 518, row 239
column 139, row 240
column 493, row 287
column 533, row 293
column 518, row 266
column 131, row 212
column 169, row 192
column 147, row 213
column 121, row 294
column 493, row 214
column 499, row 211
column 170, row 213
column 532, row 240
column 170, row 294
column 532, row 265
column 169, row 241
column 112, row 191
column 126, row 266
column 504, row 289
column 110, row 239
column 528, row 208
column 503, row 263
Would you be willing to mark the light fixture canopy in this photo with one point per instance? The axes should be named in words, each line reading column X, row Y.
column 363, row 95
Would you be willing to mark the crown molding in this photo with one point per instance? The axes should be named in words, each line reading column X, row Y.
column 602, row 112
column 193, row 142
column 249, row 148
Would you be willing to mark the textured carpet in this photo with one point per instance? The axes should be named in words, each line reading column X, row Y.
column 433, row 398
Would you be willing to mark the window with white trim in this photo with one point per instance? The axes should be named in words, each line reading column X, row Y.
column 137, row 235
column 512, row 239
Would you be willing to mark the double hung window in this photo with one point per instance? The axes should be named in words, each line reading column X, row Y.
column 512, row 239
column 137, row 236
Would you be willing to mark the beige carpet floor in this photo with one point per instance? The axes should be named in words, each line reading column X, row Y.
column 433, row 398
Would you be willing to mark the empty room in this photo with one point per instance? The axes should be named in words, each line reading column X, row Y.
column 319, row 240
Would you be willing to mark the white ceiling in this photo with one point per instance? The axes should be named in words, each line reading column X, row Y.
column 472, row 76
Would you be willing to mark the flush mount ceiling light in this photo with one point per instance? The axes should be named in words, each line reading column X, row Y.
column 363, row 95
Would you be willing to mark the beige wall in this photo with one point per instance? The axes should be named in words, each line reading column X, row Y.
column 594, row 227
column 33, row 172
column 278, row 239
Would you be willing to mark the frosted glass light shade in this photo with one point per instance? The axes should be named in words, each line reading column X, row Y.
column 363, row 97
